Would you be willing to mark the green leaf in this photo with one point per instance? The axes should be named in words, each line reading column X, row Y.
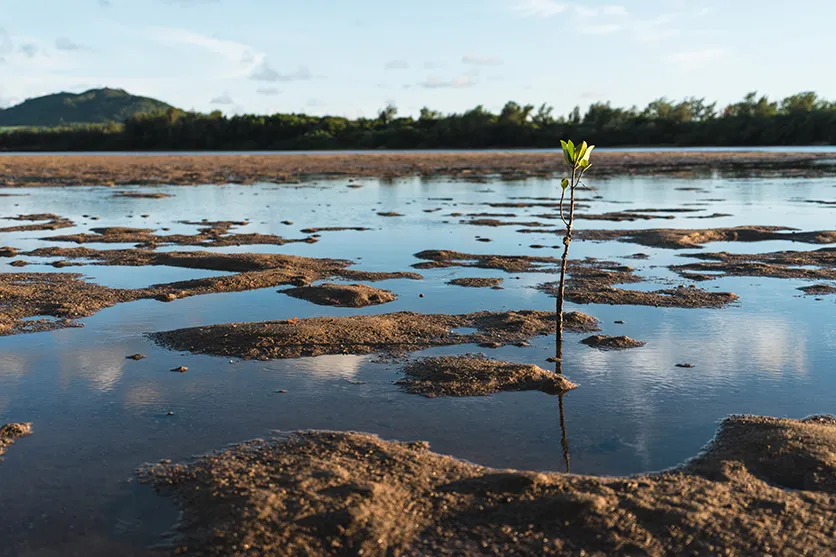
column 584, row 164
column 571, row 152
column 580, row 152
column 588, row 152
column 564, row 183
column 566, row 156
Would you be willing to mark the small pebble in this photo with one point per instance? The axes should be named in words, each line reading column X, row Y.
column 552, row 360
column 281, row 391
column 135, row 357
column 181, row 369
column 685, row 365
column 420, row 295
column 491, row 345
column 619, row 322
column 170, row 414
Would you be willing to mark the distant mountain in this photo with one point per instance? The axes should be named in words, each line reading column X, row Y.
column 97, row 106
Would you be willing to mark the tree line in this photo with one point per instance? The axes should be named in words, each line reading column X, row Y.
column 802, row 119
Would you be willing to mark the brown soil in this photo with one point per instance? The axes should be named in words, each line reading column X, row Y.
column 711, row 216
column 476, row 282
column 210, row 234
column 684, row 239
column 10, row 433
column 495, row 223
column 46, row 170
column 764, row 486
column 6, row 251
column 620, row 216
column 65, row 297
column 820, row 265
column 436, row 259
column 819, row 289
column 478, row 375
column 593, row 282
column 333, row 229
column 140, row 195
column 390, row 214
column 45, row 221
column 393, row 333
column 342, row 295
column 603, row 342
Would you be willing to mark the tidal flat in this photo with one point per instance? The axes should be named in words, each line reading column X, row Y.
column 302, row 314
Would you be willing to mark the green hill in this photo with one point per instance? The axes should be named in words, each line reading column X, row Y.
column 97, row 106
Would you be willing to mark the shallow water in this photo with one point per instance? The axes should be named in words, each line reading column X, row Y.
column 68, row 489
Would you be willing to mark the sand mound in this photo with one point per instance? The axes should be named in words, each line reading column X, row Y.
column 326, row 493
column 476, row 375
column 342, row 295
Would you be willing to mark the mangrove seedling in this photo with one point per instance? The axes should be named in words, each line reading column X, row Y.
column 576, row 158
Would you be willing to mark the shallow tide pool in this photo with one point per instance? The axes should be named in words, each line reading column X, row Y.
column 69, row 489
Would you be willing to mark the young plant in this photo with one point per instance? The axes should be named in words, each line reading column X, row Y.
column 577, row 159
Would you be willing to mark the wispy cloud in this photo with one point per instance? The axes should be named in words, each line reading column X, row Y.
column 539, row 8
column 64, row 43
column 268, row 91
column 481, row 60
column 460, row 82
column 696, row 59
column 223, row 99
column 263, row 72
column 397, row 65
column 239, row 58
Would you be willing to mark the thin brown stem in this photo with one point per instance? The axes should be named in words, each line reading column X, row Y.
column 567, row 240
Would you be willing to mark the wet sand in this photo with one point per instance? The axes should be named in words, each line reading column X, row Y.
column 10, row 433
column 49, row 170
column 391, row 334
column 764, row 486
column 478, row 375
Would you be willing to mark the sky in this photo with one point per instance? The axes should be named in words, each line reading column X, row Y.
column 353, row 57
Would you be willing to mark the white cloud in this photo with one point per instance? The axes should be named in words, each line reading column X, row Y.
column 460, row 82
column 601, row 29
column 239, row 58
column 696, row 59
column 268, row 91
column 263, row 72
column 397, row 65
column 481, row 60
column 539, row 8
column 65, row 43
column 223, row 99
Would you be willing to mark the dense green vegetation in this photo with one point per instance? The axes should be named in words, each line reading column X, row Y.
column 802, row 119
column 97, row 106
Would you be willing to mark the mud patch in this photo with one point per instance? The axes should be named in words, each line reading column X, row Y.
column 603, row 342
column 476, row 282
column 141, row 195
column 334, row 229
column 210, row 234
column 329, row 493
column 45, row 221
column 436, row 259
column 684, row 239
column 10, row 433
column 393, row 333
column 342, row 295
column 591, row 281
column 478, row 375
column 819, row 290
column 811, row 265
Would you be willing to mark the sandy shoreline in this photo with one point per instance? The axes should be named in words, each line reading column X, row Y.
column 59, row 170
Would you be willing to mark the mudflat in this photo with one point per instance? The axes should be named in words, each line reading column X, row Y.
column 118, row 170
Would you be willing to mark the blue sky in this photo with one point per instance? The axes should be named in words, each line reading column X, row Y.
column 352, row 57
